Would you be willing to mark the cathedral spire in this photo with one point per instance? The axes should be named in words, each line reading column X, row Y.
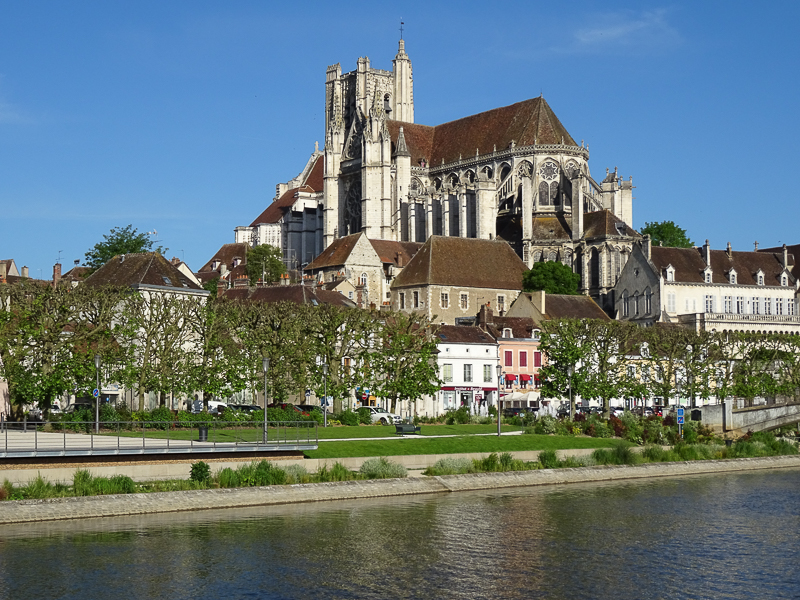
column 401, row 148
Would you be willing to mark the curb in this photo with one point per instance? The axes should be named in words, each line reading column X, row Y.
column 57, row 509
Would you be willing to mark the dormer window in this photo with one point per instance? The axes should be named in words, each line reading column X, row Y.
column 537, row 334
column 732, row 277
column 784, row 280
column 670, row 273
column 760, row 278
column 707, row 276
column 507, row 332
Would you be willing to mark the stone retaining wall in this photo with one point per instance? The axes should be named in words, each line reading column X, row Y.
column 23, row 511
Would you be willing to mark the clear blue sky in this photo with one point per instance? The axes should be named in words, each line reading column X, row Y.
column 182, row 116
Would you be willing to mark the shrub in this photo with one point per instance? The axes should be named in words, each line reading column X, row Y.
column 653, row 431
column 228, row 478
column 549, row 459
column 546, row 424
column 460, row 416
column 82, row 482
column 450, row 466
column 338, row 472
column 488, row 464
column 381, row 468
column 655, row 454
column 364, row 416
column 348, row 417
column 618, row 426
column 297, row 474
column 200, row 472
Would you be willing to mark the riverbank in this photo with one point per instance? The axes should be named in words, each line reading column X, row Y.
column 27, row 511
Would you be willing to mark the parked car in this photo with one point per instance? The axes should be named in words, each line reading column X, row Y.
column 245, row 408
column 382, row 416
column 617, row 411
column 213, row 406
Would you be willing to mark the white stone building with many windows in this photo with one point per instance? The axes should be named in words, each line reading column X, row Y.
column 709, row 289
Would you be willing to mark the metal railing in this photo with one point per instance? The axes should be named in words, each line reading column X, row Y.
column 78, row 438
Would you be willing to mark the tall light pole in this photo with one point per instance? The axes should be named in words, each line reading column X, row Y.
column 325, row 399
column 570, row 370
column 265, row 364
column 97, row 397
column 499, row 381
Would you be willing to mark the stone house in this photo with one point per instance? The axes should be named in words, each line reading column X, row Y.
column 369, row 266
column 449, row 278
column 709, row 289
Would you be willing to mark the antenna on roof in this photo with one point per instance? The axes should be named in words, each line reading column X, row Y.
column 401, row 27
column 58, row 261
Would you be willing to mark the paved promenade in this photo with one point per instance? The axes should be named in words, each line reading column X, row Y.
column 139, row 504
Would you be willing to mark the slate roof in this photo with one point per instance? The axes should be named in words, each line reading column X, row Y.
column 462, row 334
column 299, row 294
column 523, row 123
column 547, row 228
column 463, row 262
column 145, row 269
column 690, row 265
column 604, row 223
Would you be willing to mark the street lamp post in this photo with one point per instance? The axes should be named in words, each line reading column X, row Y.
column 570, row 371
column 325, row 399
column 97, row 398
column 265, row 364
column 499, row 381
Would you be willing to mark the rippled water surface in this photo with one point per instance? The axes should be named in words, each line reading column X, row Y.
column 726, row 536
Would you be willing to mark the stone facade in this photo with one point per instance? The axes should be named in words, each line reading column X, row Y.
column 709, row 289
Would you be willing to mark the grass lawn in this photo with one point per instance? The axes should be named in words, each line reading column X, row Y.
column 454, row 445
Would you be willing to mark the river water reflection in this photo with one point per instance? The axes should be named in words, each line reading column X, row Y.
column 725, row 536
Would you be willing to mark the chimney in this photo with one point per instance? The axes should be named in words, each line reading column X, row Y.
column 221, row 287
column 730, row 253
column 785, row 257
column 24, row 272
column 646, row 245
column 223, row 270
column 485, row 314
column 175, row 260
column 56, row 274
column 707, row 253
column 538, row 299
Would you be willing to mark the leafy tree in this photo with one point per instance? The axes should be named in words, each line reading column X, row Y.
column 666, row 347
column 564, row 344
column 49, row 337
column 264, row 262
column 605, row 370
column 668, row 234
column 211, row 286
column 121, row 240
column 341, row 337
column 404, row 360
column 552, row 277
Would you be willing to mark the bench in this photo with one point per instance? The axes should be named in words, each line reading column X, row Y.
column 406, row 428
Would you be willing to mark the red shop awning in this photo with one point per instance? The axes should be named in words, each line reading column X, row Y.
column 524, row 377
column 511, row 377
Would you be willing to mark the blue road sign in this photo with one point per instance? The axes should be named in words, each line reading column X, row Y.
column 95, row 392
column 680, row 412
column 680, row 420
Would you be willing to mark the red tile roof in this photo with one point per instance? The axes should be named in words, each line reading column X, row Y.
column 336, row 254
column 604, row 223
column 523, row 123
column 463, row 334
column 465, row 262
column 299, row 294
column 316, row 178
column 397, row 253
column 145, row 269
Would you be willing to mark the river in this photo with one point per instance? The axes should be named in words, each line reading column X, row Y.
column 726, row 536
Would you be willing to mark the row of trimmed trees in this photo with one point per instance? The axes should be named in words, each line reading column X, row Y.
column 177, row 345
column 612, row 359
